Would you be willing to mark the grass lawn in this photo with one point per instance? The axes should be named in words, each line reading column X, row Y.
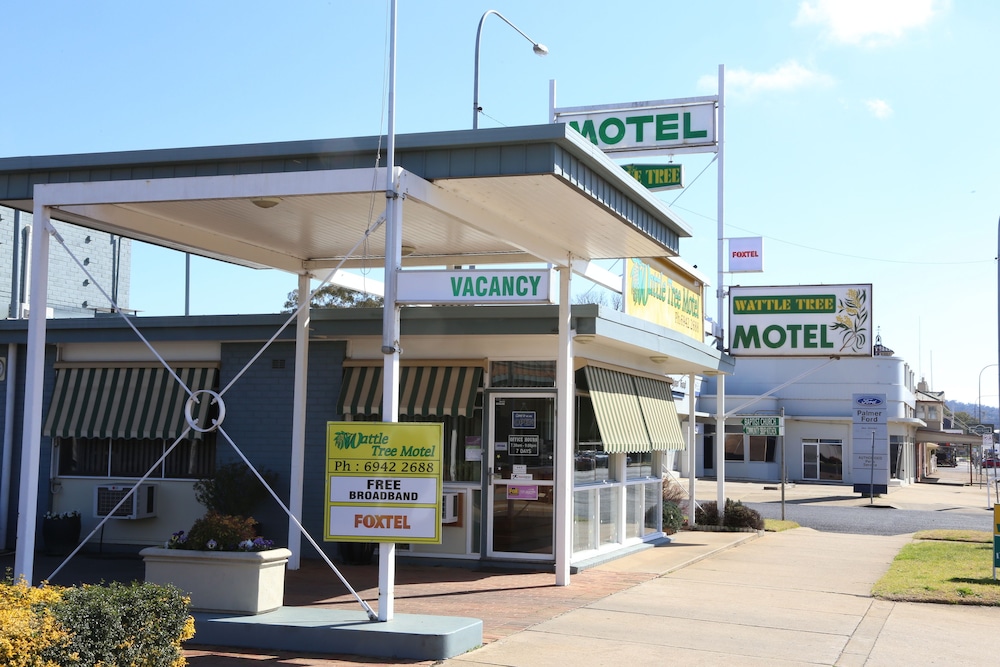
column 946, row 566
column 777, row 525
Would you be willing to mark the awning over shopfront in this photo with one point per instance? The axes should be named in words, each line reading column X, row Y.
column 634, row 413
column 945, row 438
column 125, row 402
column 657, row 403
column 616, row 407
column 424, row 391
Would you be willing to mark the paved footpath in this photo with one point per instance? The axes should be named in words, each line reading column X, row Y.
column 799, row 597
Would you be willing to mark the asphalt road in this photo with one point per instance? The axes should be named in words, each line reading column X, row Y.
column 877, row 519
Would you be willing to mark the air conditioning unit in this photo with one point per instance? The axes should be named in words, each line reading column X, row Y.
column 449, row 507
column 140, row 505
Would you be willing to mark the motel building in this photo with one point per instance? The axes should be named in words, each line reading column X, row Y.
column 815, row 397
column 556, row 420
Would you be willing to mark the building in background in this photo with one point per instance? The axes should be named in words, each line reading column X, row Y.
column 108, row 258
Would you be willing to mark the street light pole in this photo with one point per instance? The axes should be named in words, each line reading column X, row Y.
column 979, row 402
column 539, row 49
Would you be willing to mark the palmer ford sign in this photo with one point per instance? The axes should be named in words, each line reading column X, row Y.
column 800, row 321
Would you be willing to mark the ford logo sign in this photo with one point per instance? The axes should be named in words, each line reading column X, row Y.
column 869, row 400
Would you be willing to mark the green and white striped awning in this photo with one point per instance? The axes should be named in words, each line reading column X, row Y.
column 634, row 413
column 424, row 391
column 657, row 403
column 125, row 402
column 616, row 407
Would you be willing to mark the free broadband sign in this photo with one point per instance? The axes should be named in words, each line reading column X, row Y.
column 501, row 286
column 800, row 321
column 383, row 482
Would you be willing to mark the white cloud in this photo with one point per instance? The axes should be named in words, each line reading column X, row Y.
column 879, row 108
column 867, row 22
column 787, row 76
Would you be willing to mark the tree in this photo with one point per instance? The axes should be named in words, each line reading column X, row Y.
column 334, row 296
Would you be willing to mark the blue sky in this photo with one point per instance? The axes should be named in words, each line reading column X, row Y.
column 861, row 140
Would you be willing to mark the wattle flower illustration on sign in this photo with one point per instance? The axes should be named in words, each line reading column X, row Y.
column 852, row 316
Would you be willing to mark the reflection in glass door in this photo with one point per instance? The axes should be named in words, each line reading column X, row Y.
column 822, row 459
column 520, row 476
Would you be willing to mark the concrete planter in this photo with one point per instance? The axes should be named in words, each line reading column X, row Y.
column 243, row 582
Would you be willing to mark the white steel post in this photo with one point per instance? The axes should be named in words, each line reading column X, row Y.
column 33, row 381
column 390, row 316
column 720, row 435
column 692, row 457
column 297, row 470
column 564, row 430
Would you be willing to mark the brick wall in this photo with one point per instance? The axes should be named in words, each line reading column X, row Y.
column 259, row 421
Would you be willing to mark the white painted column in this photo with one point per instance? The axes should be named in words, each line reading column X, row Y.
column 692, row 463
column 34, row 379
column 298, row 455
column 390, row 316
column 564, row 430
column 720, row 442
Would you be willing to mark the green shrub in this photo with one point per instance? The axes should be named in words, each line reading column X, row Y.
column 739, row 515
column 137, row 624
column 707, row 514
column 673, row 519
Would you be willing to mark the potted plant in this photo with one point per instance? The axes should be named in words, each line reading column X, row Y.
column 60, row 532
column 222, row 564
column 233, row 489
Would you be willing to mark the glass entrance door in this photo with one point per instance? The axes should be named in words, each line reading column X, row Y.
column 521, row 490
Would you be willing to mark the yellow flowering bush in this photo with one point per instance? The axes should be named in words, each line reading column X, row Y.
column 137, row 624
column 28, row 629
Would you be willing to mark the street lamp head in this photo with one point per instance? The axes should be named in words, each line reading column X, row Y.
column 540, row 50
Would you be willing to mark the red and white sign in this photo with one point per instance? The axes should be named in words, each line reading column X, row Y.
column 746, row 255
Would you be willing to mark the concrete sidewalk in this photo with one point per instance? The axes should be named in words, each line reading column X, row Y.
column 799, row 597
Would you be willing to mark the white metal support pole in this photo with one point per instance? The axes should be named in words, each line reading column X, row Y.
column 720, row 422
column 720, row 442
column 8, row 440
column 692, row 457
column 564, row 430
column 390, row 316
column 297, row 470
column 33, row 381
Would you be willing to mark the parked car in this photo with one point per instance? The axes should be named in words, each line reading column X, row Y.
column 991, row 463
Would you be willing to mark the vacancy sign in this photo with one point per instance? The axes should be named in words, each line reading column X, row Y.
column 502, row 286
column 383, row 482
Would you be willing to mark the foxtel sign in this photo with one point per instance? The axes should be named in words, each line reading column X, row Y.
column 800, row 321
column 501, row 286
column 652, row 128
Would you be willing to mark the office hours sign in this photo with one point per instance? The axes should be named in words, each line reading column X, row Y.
column 383, row 482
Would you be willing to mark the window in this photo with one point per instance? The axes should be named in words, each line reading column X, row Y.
column 523, row 374
column 125, row 457
column 822, row 459
column 762, row 448
column 591, row 462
